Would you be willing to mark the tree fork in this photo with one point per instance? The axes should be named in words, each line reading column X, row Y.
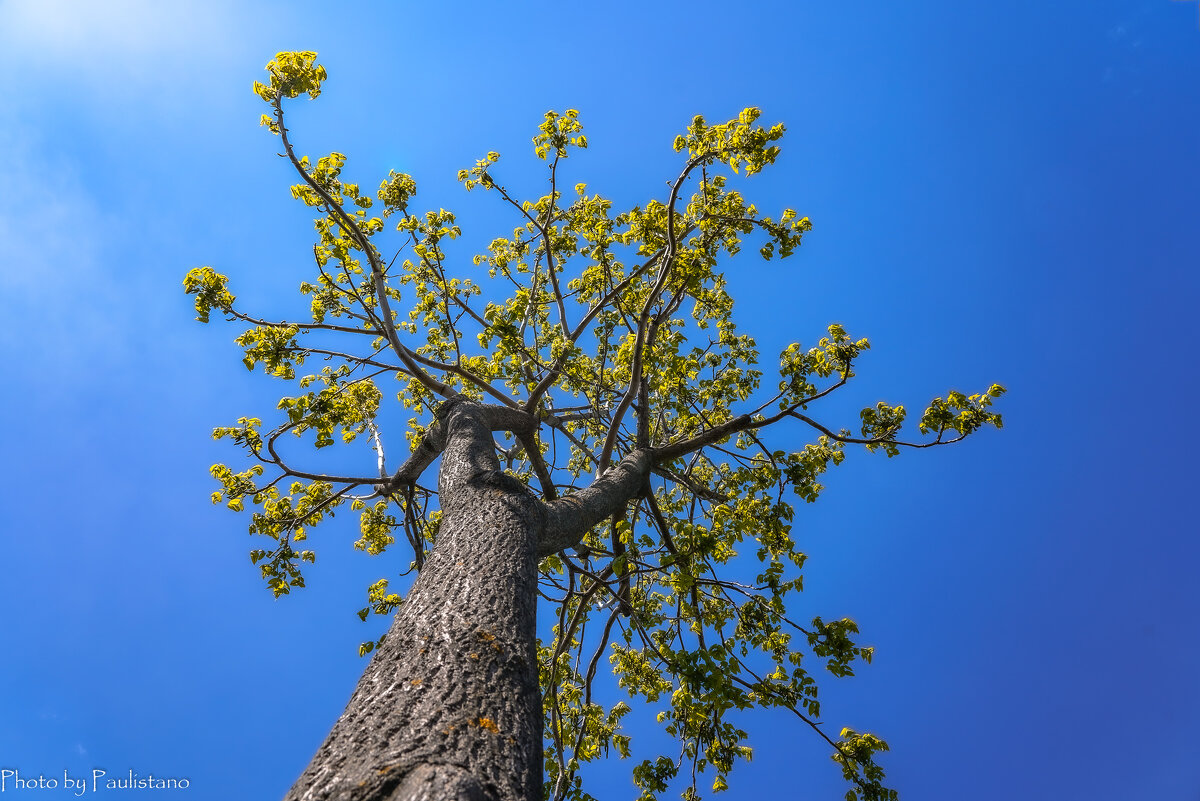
column 449, row 706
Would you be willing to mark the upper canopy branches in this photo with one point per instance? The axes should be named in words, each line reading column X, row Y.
column 602, row 348
column 616, row 332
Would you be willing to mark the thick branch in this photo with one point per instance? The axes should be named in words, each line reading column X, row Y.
column 570, row 517
column 494, row 418
column 529, row 442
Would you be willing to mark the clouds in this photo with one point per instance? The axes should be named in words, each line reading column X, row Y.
column 70, row 34
column 120, row 52
column 95, row 94
column 60, row 27
column 51, row 238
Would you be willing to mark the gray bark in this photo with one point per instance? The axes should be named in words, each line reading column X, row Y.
column 449, row 707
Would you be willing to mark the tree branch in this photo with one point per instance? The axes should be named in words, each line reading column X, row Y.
column 572, row 516
column 350, row 226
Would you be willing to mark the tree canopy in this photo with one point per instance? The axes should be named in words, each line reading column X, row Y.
column 601, row 336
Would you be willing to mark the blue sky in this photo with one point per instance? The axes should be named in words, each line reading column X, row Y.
column 1000, row 192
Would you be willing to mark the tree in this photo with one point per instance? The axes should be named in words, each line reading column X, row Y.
column 600, row 425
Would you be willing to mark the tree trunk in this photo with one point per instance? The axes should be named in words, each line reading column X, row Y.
column 449, row 707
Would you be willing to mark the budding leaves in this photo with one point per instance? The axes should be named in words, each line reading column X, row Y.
column 291, row 75
column 613, row 327
column 209, row 288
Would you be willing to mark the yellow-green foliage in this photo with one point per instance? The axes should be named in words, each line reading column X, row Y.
column 615, row 328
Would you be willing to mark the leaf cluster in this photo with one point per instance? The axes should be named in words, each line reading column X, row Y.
column 613, row 332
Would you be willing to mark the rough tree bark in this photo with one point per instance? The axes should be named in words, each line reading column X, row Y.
column 449, row 706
